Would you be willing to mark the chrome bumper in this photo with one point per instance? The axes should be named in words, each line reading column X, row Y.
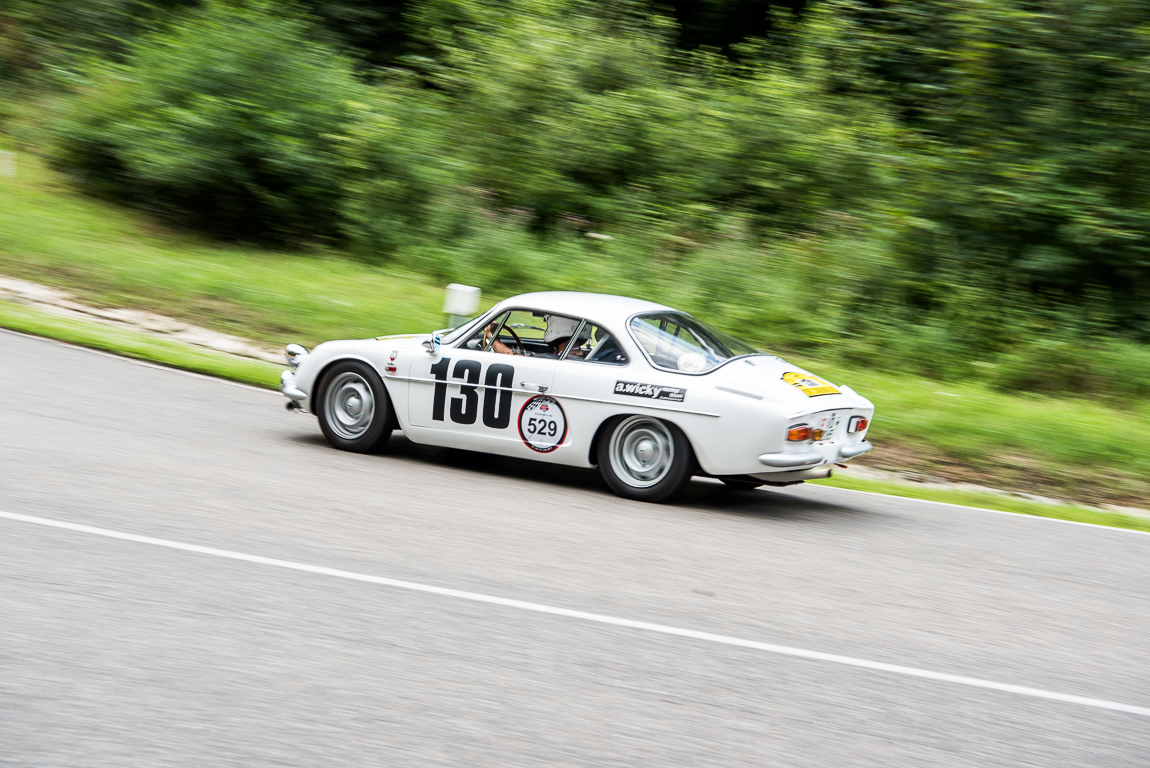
column 791, row 460
column 288, row 387
column 812, row 458
column 851, row 451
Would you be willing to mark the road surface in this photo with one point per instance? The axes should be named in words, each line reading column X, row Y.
column 227, row 590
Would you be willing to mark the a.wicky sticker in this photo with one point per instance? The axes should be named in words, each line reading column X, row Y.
column 651, row 391
column 812, row 386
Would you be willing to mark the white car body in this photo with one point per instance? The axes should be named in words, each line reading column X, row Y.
column 736, row 416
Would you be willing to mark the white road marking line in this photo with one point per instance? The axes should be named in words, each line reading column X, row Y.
column 646, row 626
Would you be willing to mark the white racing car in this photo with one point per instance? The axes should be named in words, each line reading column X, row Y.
column 648, row 394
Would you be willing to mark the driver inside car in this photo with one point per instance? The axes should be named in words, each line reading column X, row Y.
column 558, row 333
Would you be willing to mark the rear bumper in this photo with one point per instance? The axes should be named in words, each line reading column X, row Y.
column 792, row 460
column 852, row 451
column 813, row 458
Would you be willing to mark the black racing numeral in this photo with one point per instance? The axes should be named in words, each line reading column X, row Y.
column 465, row 408
column 497, row 402
column 439, row 370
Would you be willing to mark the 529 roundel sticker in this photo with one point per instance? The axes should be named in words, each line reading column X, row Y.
column 542, row 424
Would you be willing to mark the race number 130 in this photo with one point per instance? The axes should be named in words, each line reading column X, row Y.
column 542, row 424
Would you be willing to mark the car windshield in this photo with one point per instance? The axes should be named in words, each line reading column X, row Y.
column 451, row 335
column 679, row 342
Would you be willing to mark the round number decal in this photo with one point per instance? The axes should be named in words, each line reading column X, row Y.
column 542, row 424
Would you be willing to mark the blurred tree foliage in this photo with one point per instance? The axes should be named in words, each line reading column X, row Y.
column 902, row 182
column 1032, row 120
column 227, row 121
column 47, row 37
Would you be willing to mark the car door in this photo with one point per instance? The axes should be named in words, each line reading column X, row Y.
column 585, row 383
column 473, row 399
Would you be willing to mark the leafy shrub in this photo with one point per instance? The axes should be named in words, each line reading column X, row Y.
column 399, row 182
column 577, row 108
column 225, row 121
column 46, row 40
column 1066, row 365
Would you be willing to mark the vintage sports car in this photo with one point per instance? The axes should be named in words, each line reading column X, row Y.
column 648, row 394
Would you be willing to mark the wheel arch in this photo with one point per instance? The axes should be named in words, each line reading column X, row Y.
column 316, row 395
column 602, row 429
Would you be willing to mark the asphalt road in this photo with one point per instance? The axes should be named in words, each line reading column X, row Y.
column 131, row 653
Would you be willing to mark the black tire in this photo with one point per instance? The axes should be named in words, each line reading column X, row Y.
column 629, row 441
column 347, row 390
column 736, row 483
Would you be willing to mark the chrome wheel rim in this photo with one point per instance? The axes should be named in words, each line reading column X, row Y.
column 641, row 451
column 350, row 405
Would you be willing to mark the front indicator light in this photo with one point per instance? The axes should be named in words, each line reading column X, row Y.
column 857, row 424
column 799, row 434
column 817, row 435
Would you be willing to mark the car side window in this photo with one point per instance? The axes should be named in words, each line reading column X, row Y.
column 595, row 345
column 476, row 341
column 524, row 332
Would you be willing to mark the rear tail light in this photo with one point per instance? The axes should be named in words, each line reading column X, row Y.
column 799, row 434
column 857, row 424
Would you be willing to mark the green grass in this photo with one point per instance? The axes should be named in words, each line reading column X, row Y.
column 113, row 257
column 138, row 345
column 965, row 498
column 1075, row 448
column 1086, row 450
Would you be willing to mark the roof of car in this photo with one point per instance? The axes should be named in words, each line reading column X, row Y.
column 597, row 307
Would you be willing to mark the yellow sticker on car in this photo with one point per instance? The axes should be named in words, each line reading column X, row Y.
column 812, row 386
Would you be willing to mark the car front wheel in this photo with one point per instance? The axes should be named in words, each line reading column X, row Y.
column 354, row 409
column 644, row 458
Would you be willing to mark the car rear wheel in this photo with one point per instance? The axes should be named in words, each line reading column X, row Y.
column 354, row 409
column 644, row 458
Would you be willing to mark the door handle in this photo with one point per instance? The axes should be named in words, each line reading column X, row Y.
column 529, row 385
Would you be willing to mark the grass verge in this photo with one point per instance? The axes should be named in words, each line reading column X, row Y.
column 964, row 498
column 113, row 257
column 1072, row 448
column 142, row 346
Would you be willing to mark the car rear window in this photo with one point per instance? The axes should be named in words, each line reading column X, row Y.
column 679, row 342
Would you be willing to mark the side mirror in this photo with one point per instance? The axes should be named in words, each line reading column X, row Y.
column 433, row 344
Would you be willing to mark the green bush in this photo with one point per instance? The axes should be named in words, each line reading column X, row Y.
column 1058, row 364
column 46, row 41
column 575, row 109
column 399, row 183
column 226, row 121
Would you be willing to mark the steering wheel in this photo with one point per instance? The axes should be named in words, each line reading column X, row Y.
column 515, row 336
